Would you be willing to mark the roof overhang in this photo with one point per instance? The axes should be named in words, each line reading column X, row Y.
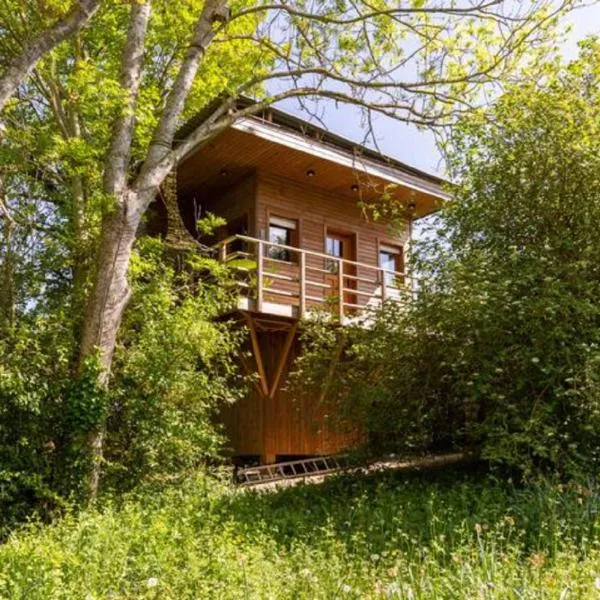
column 292, row 139
column 277, row 143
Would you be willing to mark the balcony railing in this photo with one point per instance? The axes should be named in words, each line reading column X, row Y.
column 307, row 281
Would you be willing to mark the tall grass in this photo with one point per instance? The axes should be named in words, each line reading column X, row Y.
column 443, row 535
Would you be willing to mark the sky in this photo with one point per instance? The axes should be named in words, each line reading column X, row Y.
column 417, row 148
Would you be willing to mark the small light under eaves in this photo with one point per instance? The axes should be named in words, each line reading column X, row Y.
column 412, row 206
column 223, row 172
column 354, row 187
column 310, row 173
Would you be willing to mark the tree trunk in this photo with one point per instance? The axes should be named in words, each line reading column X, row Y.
column 105, row 308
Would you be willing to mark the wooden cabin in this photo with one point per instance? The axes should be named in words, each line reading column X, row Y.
column 298, row 235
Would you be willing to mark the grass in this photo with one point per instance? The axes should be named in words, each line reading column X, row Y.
column 449, row 534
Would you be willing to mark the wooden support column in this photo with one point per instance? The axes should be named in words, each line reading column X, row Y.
column 259, row 276
column 260, row 367
column 289, row 340
column 302, row 301
column 250, row 371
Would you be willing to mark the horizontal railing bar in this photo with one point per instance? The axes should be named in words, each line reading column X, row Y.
column 285, row 293
column 361, row 306
column 279, row 277
column 238, row 254
column 319, row 270
column 361, row 293
column 324, row 286
column 316, row 298
column 362, row 279
column 287, row 263
column 243, row 269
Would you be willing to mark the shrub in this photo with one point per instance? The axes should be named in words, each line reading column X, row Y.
column 501, row 349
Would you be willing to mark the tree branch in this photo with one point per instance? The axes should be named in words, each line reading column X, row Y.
column 21, row 65
column 117, row 161
column 151, row 175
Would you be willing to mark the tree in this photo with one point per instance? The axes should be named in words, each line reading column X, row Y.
column 24, row 61
column 422, row 62
column 500, row 350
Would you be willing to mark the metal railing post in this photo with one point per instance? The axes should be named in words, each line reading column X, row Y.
column 259, row 275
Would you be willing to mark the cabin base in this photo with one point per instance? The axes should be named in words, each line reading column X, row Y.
column 274, row 422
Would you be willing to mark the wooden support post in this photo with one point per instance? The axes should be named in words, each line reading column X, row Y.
column 341, row 287
column 383, row 287
column 268, row 459
column 259, row 276
column 302, row 304
column 289, row 340
column 262, row 376
column 223, row 252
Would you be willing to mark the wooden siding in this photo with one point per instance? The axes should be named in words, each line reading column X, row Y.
column 318, row 212
column 287, row 424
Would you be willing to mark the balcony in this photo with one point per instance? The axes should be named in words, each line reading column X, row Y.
column 293, row 282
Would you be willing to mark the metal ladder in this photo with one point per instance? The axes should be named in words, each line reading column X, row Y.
column 319, row 465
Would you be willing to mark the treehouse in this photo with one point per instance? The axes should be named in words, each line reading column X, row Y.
column 301, row 239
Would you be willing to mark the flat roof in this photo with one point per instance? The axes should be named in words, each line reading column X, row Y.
column 273, row 121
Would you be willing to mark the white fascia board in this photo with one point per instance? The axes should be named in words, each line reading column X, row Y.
column 297, row 141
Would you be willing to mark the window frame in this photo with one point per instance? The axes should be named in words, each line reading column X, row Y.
column 291, row 227
column 396, row 252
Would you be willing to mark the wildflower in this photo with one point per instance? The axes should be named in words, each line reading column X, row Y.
column 597, row 583
column 393, row 571
column 305, row 573
column 152, row 582
column 537, row 560
column 392, row 589
column 346, row 588
column 374, row 557
column 478, row 528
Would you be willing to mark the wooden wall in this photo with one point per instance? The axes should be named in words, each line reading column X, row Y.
column 289, row 424
column 317, row 210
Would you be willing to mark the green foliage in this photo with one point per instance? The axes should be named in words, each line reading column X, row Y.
column 173, row 369
column 500, row 351
column 382, row 536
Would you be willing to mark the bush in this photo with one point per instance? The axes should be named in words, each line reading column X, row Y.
column 500, row 352
column 174, row 366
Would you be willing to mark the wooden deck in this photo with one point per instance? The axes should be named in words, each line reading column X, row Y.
column 309, row 281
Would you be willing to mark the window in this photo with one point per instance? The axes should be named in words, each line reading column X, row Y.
column 390, row 259
column 284, row 233
column 334, row 246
